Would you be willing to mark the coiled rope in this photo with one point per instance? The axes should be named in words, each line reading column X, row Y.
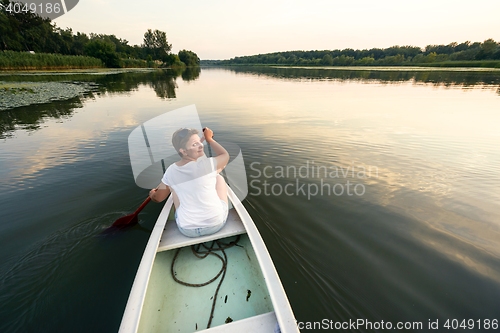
column 202, row 254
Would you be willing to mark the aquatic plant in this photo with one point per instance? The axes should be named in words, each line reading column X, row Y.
column 16, row 94
column 11, row 60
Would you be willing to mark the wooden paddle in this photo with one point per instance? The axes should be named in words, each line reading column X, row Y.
column 131, row 219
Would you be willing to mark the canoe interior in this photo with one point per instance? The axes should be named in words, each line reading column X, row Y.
column 172, row 307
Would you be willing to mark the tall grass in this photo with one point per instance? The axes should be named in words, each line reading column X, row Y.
column 464, row 63
column 11, row 60
column 134, row 63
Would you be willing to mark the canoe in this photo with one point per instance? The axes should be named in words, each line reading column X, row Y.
column 250, row 298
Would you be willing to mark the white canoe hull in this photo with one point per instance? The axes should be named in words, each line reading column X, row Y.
column 251, row 297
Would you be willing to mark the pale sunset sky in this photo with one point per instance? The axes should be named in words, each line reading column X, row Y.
column 223, row 29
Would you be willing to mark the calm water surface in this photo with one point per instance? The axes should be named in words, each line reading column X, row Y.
column 376, row 191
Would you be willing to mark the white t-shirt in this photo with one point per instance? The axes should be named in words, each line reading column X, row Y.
column 194, row 184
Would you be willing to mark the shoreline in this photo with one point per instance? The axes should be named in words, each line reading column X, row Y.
column 370, row 68
column 398, row 68
column 426, row 67
column 76, row 71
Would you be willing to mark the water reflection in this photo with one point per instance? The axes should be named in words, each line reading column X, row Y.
column 31, row 117
column 439, row 77
column 191, row 73
column 426, row 227
column 164, row 83
column 433, row 148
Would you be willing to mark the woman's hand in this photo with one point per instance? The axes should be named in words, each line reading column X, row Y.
column 152, row 193
column 208, row 134
column 160, row 193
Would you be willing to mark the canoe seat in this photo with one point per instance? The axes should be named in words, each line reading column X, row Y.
column 262, row 323
column 172, row 237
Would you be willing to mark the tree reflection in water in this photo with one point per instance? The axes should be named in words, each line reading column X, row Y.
column 30, row 118
column 446, row 77
column 164, row 83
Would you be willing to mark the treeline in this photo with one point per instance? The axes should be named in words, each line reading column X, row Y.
column 485, row 54
column 28, row 32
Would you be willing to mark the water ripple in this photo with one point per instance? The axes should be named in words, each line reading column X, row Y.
column 28, row 286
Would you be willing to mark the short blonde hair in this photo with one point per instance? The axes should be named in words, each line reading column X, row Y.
column 181, row 137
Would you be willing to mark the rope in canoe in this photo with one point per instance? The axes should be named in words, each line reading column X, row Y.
column 202, row 254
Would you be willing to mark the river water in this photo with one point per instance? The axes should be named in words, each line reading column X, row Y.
column 375, row 190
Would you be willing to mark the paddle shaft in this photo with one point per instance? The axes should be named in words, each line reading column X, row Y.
column 208, row 144
column 141, row 207
column 209, row 149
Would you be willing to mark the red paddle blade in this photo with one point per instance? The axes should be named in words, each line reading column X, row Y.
column 131, row 219
column 126, row 221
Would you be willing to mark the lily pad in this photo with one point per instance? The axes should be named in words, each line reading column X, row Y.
column 16, row 94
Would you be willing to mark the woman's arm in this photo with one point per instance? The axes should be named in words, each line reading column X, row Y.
column 221, row 154
column 160, row 193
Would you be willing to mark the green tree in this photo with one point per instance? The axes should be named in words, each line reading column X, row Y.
column 173, row 60
column 148, row 41
column 79, row 42
column 156, row 45
column 23, row 31
column 281, row 59
column 189, row 58
column 489, row 46
column 104, row 51
column 162, row 47
column 9, row 38
column 393, row 60
column 462, row 46
column 366, row 61
column 419, row 58
column 327, row 60
column 487, row 50
column 343, row 60
column 431, row 57
column 63, row 39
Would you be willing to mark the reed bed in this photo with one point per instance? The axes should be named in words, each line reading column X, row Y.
column 11, row 60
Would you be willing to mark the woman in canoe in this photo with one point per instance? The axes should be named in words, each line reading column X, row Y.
column 199, row 192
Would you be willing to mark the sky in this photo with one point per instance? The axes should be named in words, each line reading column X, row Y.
column 223, row 29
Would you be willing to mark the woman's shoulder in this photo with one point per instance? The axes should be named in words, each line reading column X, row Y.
column 202, row 164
